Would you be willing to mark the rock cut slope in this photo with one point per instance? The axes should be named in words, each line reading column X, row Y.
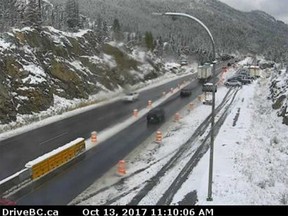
column 37, row 65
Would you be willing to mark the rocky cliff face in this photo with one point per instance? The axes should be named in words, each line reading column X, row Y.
column 279, row 95
column 37, row 65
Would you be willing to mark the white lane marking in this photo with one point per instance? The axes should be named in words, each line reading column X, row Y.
column 53, row 138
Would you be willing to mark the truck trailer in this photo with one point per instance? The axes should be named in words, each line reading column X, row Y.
column 204, row 72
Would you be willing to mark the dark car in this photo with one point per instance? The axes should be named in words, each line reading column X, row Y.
column 155, row 116
column 185, row 92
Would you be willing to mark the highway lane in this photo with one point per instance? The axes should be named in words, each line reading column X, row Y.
column 61, row 189
column 64, row 187
column 16, row 151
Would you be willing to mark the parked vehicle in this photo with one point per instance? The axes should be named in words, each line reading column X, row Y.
column 241, row 79
column 155, row 116
column 233, row 83
column 185, row 92
column 131, row 96
column 183, row 62
column 245, row 81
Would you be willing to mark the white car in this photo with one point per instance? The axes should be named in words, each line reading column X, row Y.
column 131, row 96
column 233, row 83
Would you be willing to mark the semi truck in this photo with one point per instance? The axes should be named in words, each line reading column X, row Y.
column 204, row 72
column 254, row 71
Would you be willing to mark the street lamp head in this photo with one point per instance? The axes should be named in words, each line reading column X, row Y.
column 157, row 14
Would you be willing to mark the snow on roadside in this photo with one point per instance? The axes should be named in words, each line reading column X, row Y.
column 250, row 158
column 150, row 157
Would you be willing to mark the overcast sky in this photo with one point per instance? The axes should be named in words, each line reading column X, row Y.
column 276, row 8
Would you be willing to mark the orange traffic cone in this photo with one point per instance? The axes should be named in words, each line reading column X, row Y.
column 177, row 117
column 190, row 106
column 149, row 104
column 135, row 112
column 158, row 137
column 94, row 137
column 121, row 170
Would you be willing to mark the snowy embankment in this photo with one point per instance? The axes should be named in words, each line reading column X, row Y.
column 250, row 158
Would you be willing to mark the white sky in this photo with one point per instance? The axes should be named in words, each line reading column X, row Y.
column 276, row 8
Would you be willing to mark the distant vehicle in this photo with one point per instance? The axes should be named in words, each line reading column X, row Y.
column 209, row 87
column 6, row 202
column 233, row 83
column 241, row 79
column 254, row 71
column 185, row 92
column 204, row 72
column 131, row 96
column 155, row 116
column 183, row 62
column 246, row 81
column 243, row 72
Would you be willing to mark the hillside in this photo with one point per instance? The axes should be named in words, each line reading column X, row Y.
column 278, row 93
column 234, row 31
column 39, row 67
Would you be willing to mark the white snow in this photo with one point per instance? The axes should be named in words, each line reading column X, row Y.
column 36, row 74
column 250, row 157
column 4, row 44
column 109, row 60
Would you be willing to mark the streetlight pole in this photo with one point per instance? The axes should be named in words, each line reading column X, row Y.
column 209, row 198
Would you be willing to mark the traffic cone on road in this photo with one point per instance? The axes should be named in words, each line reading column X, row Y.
column 94, row 137
column 121, row 169
column 135, row 112
column 158, row 137
column 177, row 117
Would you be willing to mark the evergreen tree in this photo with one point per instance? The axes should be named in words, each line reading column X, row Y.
column 72, row 15
column 32, row 14
column 99, row 29
column 105, row 30
column 149, row 42
column 117, row 34
column 8, row 14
